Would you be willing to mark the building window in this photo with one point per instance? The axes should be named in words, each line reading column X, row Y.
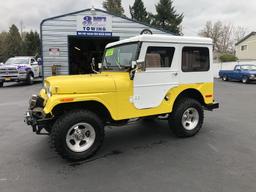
column 244, row 47
column 195, row 59
column 158, row 57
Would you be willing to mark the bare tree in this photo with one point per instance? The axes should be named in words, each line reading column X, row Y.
column 240, row 33
column 224, row 36
column 213, row 31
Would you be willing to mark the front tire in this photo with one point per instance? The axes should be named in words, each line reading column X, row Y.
column 245, row 79
column 187, row 118
column 77, row 135
column 1, row 84
column 30, row 79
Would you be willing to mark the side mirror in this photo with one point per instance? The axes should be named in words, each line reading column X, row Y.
column 238, row 69
column 134, row 64
column 133, row 69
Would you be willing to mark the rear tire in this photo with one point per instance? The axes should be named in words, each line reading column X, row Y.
column 187, row 118
column 1, row 84
column 77, row 135
column 225, row 78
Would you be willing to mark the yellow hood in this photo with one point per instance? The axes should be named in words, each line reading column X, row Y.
column 79, row 84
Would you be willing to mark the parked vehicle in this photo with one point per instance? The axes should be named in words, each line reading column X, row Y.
column 244, row 73
column 144, row 76
column 17, row 69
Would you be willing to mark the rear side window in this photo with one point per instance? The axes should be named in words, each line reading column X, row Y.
column 195, row 59
column 158, row 57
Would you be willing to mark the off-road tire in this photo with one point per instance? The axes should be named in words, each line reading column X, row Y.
column 175, row 118
column 65, row 122
column 30, row 79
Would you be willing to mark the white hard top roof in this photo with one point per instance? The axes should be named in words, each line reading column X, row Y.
column 163, row 39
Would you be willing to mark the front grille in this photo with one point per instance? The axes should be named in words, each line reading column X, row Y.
column 36, row 101
column 8, row 71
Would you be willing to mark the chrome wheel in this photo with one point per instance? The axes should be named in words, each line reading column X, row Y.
column 80, row 137
column 190, row 118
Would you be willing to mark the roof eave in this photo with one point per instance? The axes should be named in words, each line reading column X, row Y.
column 245, row 38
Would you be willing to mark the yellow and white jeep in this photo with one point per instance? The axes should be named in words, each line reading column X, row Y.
column 141, row 77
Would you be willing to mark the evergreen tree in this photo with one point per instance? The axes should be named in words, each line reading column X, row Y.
column 138, row 11
column 114, row 6
column 3, row 36
column 31, row 44
column 167, row 18
column 13, row 43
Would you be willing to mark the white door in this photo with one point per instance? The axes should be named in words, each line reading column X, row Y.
column 161, row 74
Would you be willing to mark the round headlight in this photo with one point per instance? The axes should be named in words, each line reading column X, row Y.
column 49, row 93
column 47, row 89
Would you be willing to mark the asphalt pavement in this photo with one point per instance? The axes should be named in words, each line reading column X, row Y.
column 143, row 156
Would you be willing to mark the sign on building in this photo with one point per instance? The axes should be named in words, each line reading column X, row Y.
column 55, row 52
column 90, row 25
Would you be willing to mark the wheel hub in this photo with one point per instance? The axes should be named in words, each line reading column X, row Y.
column 80, row 137
column 190, row 118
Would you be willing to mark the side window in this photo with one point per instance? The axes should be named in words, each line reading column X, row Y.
column 195, row 59
column 157, row 57
column 238, row 68
column 32, row 61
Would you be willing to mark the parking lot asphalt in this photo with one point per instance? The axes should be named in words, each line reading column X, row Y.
column 138, row 157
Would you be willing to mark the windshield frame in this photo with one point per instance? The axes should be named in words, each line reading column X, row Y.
column 137, row 53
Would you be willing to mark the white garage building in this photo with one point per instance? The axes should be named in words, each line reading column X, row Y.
column 70, row 41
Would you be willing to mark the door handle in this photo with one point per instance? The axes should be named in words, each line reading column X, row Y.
column 175, row 74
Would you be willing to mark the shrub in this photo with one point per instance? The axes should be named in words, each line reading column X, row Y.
column 228, row 58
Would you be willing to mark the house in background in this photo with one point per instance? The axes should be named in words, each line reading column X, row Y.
column 246, row 48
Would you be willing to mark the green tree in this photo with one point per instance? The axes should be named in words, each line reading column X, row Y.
column 13, row 43
column 167, row 18
column 3, row 36
column 31, row 44
column 114, row 6
column 138, row 11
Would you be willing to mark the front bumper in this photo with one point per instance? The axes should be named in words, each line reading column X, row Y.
column 11, row 78
column 211, row 106
column 35, row 116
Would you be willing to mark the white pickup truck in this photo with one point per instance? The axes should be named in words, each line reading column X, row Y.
column 17, row 69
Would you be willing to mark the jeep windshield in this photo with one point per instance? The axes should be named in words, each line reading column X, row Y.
column 119, row 58
column 17, row 61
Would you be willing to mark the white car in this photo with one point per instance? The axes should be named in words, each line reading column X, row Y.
column 17, row 69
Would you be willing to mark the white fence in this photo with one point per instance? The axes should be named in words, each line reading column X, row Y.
column 228, row 66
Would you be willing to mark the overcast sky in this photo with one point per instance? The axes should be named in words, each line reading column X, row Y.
column 196, row 12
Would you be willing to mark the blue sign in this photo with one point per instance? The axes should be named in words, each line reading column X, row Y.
column 94, row 25
column 89, row 33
